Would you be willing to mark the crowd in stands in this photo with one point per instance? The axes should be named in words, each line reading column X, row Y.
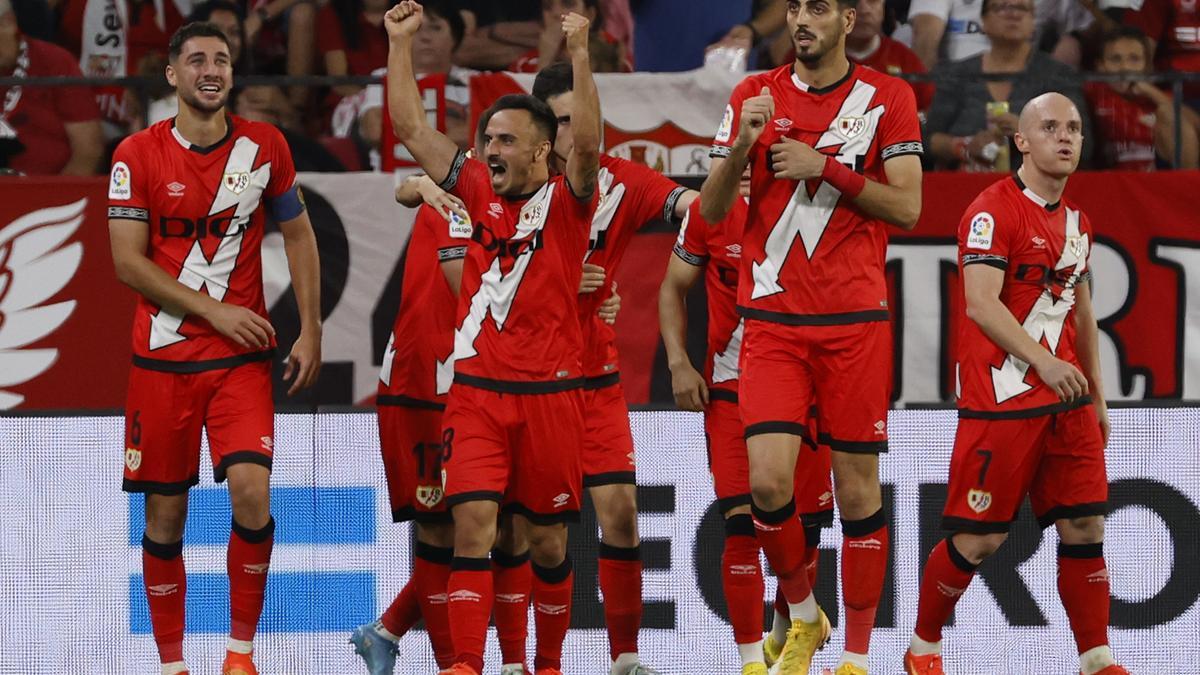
column 974, row 64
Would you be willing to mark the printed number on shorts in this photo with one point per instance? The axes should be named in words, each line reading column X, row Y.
column 135, row 428
column 445, row 449
column 987, row 462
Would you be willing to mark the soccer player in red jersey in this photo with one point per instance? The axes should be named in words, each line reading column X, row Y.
column 187, row 203
column 631, row 195
column 834, row 154
column 514, row 416
column 1032, row 417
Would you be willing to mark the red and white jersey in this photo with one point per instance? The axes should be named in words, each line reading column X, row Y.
column 1124, row 127
column 719, row 249
column 631, row 195
column 517, row 324
column 205, row 210
column 1174, row 25
column 1043, row 250
column 810, row 257
column 417, row 367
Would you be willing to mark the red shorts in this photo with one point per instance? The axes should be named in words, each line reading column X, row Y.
column 519, row 450
column 413, row 446
column 165, row 413
column 607, row 441
column 730, row 465
column 844, row 370
column 1058, row 460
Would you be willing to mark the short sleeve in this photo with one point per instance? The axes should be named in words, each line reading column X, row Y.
column 128, row 183
column 656, row 194
column 574, row 208
column 467, row 179
column 900, row 128
column 727, row 132
column 985, row 233
column 450, row 237
column 283, row 169
column 938, row 8
column 692, row 246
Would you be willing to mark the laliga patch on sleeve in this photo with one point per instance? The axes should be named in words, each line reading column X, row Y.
column 459, row 227
column 726, row 128
column 118, row 182
column 983, row 226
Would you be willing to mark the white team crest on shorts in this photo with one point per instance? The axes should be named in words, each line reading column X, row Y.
column 851, row 126
column 237, row 182
column 429, row 495
column 133, row 458
column 979, row 501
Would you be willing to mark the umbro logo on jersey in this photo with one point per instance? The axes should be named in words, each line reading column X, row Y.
column 256, row 568
column 561, row 500
column 160, row 590
column 734, row 250
column 463, row 595
column 552, row 610
column 495, row 210
column 175, row 189
column 510, row 598
column 880, row 428
column 782, row 124
column 1038, row 242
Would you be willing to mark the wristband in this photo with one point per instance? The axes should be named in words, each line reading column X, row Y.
column 841, row 177
column 960, row 148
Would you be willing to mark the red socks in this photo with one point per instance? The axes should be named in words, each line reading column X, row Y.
column 621, row 584
column 1083, row 587
column 405, row 610
column 513, row 580
column 469, row 591
column 864, row 562
column 551, row 611
column 431, row 574
column 946, row 577
column 781, row 536
column 743, row 579
column 247, row 562
column 166, row 586
column 812, row 554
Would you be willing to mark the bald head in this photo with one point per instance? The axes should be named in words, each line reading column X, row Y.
column 1049, row 106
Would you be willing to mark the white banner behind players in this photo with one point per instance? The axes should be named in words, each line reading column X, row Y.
column 69, row 559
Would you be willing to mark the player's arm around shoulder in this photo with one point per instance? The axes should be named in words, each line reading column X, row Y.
column 583, row 165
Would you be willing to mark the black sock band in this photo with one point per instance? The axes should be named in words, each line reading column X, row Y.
column 631, row 553
column 957, row 558
column 739, row 525
column 255, row 536
column 774, row 517
column 162, row 551
column 459, row 563
column 553, row 575
column 1081, row 550
column 434, row 554
column 861, row 528
column 506, row 559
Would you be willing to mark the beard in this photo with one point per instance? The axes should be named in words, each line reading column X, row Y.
column 193, row 101
column 816, row 51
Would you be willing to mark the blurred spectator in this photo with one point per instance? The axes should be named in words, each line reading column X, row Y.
column 946, row 30
column 497, row 33
column 1173, row 27
column 264, row 103
column 672, row 34
column 443, row 87
column 607, row 55
column 44, row 130
column 1057, row 25
column 112, row 38
column 352, row 40
column 867, row 44
column 757, row 36
column 280, row 35
column 971, row 120
column 1135, row 121
column 618, row 21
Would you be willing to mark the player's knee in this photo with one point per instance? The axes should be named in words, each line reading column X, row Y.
column 436, row 534
column 978, row 547
column 1085, row 530
column 165, row 517
column 251, row 504
column 618, row 518
column 548, row 544
column 474, row 528
column 771, row 490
